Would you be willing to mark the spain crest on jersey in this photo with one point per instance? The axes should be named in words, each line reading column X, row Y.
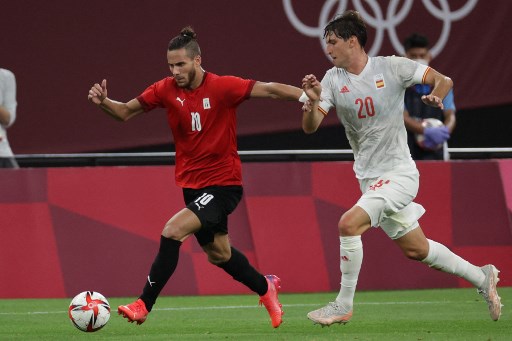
column 379, row 81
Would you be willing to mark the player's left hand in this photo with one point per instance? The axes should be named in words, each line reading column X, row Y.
column 432, row 101
column 312, row 87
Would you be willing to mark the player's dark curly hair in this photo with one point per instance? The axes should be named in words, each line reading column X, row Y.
column 346, row 25
column 415, row 40
column 187, row 39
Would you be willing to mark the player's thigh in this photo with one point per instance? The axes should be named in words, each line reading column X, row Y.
column 354, row 222
column 181, row 225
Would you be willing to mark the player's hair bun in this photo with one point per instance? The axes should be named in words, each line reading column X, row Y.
column 188, row 32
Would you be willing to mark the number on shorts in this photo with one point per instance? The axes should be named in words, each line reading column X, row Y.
column 204, row 199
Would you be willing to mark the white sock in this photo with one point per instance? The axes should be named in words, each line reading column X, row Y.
column 351, row 258
column 441, row 258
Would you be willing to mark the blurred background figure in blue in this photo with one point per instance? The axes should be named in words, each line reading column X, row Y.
column 426, row 136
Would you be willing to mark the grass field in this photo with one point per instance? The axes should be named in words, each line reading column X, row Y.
column 448, row 314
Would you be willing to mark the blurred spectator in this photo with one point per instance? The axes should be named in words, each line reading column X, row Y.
column 7, row 116
column 433, row 146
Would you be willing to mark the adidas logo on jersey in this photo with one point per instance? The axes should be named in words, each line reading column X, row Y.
column 344, row 90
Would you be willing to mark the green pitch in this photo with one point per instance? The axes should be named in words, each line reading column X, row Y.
column 448, row 314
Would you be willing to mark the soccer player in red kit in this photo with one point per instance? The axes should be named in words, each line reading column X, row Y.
column 201, row 111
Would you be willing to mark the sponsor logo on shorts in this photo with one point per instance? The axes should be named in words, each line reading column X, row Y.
column 379, row 184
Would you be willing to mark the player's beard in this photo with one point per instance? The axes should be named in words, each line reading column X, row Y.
column 191, row 76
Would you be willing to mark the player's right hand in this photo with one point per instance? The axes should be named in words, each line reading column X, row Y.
column 433, row 101
column 98, row 92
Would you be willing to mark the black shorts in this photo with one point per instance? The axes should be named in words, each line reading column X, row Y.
column 212, row 205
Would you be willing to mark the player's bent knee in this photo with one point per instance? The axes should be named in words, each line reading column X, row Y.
column 217, row 256
column 218, row 259
column 172, row 232
column 346, row 228
column 416, row 254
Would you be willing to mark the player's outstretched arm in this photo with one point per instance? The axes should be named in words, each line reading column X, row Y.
column 276, row 91
column 118, row 110
column 441, row 85
column 311, row 116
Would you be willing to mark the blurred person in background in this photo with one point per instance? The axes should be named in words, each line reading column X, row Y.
column 426, row 142
column 7, row 116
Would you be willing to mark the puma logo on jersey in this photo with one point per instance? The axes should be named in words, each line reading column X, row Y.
column 344, row 90
column 180, row 100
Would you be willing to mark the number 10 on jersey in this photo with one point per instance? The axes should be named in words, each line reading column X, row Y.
column 196, row 121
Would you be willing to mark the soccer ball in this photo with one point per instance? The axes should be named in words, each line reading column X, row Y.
column 427, row 123
column 89, row 311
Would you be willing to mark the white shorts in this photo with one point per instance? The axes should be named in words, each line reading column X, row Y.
column 388, row 200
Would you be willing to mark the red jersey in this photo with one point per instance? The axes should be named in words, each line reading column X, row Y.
column 203, row 123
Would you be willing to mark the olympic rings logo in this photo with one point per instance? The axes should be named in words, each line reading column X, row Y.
column 381, row 23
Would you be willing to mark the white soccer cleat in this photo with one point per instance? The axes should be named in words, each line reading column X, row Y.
column 489, row 292
column 331, row 313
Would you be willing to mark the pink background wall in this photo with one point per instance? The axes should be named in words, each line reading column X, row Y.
column 66, row 230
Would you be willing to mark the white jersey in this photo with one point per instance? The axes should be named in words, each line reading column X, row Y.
column 371, row 108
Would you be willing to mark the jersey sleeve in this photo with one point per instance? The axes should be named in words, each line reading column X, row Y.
column 234, row 89
column 151, row 98
column 326, row 97
column 409, row 72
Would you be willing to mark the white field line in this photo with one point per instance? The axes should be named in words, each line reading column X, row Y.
column 245, row 307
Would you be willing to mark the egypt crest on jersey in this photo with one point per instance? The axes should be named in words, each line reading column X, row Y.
column 370, row 106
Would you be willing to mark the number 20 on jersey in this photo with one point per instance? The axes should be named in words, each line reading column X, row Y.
column 366, row 108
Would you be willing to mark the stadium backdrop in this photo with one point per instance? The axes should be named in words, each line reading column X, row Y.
column 66, row 230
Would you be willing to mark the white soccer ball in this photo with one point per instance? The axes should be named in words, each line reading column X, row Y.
column 426, row 123
column 89, row 311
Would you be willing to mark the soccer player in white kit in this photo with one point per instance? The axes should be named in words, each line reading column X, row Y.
column 368, row 95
